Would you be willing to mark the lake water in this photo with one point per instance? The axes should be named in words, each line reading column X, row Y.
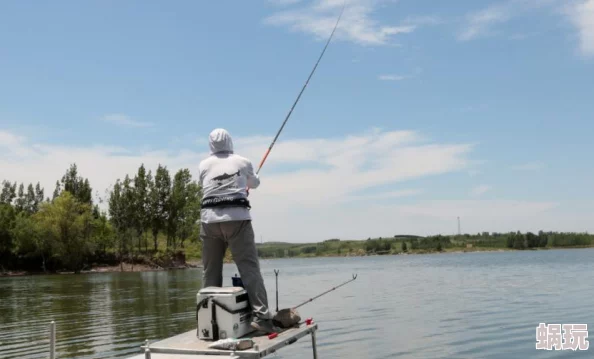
column 457, row 305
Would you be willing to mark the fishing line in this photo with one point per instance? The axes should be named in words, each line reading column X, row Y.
column 301, row 92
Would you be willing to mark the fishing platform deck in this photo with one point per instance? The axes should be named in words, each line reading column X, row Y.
column 188, row 346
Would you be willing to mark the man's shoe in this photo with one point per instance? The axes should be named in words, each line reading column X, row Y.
column 264, row 325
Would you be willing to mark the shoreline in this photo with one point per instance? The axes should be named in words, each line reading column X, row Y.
column 120, row 268
column 446, row 251
column 135, row 268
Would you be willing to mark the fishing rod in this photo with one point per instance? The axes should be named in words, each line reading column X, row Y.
column 326, row 292
column 300, row 93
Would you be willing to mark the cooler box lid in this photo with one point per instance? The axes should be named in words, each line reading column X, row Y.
column 222, row 290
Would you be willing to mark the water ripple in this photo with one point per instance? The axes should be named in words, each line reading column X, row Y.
column 484, row 305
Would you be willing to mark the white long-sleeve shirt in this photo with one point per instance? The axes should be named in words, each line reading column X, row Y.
column 225, row 173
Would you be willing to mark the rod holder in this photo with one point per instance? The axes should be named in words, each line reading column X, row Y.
column 276, row 271
column 147, row 350
column 52, row 340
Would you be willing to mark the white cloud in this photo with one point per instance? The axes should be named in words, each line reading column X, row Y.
column 392, row 77
column 388, row 195
column 328, row 170
column 530, row 166
column 357, row 23
column 284, row 2
column 312, row 189
column 124, row 120
column 480, row 190
column 9, row 139
column 480, row 22
column 423, row 20
column 581, row 14
column 388, row 77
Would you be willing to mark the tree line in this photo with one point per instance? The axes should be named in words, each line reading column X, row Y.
column 438, row 243
column 71, row 232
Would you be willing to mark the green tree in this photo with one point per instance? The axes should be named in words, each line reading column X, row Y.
column 404, row 249
column 8, row 192
column 21, row 200
column 66, row 222
column 80, row 188
column 30, row 241
column 531, row 240
column 117, row 213
column 543, row 239
column 129, row 211
column 141, row 205
column 103, row 233
column 190, row 214
column 57, row 190
column 160, row 201
column 39, row 195
column 7, row 218
column 519, row 241
column 178, row 205
column 30, row 200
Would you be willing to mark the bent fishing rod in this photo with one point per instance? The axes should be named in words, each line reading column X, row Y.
column 300, row 93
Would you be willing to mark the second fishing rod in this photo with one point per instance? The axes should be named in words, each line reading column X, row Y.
column 276, row 272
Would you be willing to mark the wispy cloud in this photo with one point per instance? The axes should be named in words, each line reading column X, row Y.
column 581, row 15
column 482, row 23
column 388, row 195
column 124, row 120
column 480, row 190
column 284, row 2
column 392, row 77
column 358, row 23
column 479, row 23
column 522, row 36
column 530, row 166
column 389, row 77
column 425, row 20
column 9, row 139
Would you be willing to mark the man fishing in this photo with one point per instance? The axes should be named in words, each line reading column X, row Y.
column 225, row 178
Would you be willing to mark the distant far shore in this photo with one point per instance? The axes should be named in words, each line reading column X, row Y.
column 417, row 252
column 332, row 248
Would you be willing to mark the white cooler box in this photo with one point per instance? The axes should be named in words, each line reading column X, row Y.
column 233, row 321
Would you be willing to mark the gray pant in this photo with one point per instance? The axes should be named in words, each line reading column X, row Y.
column 239, row 236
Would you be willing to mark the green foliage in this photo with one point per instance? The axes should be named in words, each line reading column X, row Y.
column 77, row 186
column 144, row 206
column 66, row 223
column 71, row 233
column 7, row 218
column 571, row 239
column 8, row 193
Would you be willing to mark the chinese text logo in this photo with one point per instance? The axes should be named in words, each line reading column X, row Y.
column 562, row 336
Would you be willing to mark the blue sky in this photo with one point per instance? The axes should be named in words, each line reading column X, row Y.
column 420, row 111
